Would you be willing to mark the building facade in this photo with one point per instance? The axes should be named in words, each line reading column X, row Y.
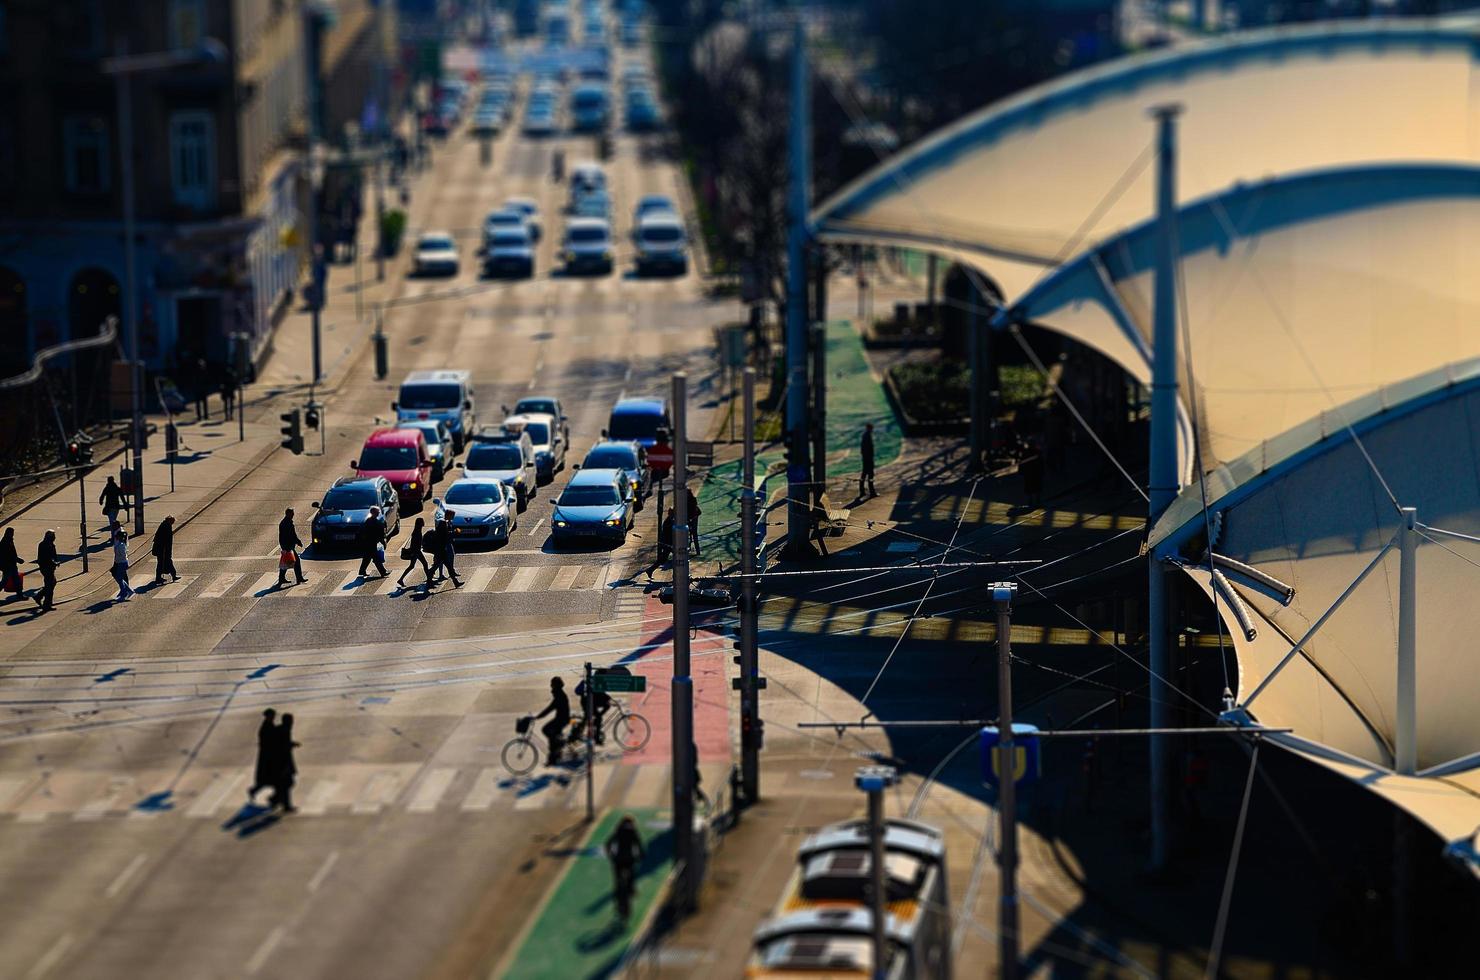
column 219, row 181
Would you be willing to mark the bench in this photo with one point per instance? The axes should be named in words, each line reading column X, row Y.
column 832, row 521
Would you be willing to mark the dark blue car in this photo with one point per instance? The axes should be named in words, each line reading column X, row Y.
column 638, row 420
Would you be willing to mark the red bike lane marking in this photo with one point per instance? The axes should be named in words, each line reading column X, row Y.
column 707, row 652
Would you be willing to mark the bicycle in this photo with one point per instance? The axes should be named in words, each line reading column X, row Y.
column 520, row 753
column 628, row 729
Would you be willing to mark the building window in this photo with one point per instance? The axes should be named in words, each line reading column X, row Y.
column 187, row 23
column 193, row 159
column 85, row 154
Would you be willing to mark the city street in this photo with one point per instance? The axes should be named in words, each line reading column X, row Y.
column 129, row 728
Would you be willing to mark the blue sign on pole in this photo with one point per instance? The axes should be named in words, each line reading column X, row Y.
column 1026, row 764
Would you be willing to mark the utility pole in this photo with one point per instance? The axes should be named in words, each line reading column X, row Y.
column 1165, row 480
column 1007, row 860
column 750, row 723
column 683, row 684
column 1405, row 738
column 798, row 469
column 874, row 780
column 590, row 709
column 124, row 92
column 312, row 24
column 819, row 412
column 82, row 511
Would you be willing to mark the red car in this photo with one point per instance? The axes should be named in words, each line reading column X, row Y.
column 399, row 455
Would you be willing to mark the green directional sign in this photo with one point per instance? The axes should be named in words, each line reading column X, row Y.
column 620, row 683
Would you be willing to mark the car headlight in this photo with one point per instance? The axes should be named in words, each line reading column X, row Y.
column 411, row 485
column 612, row 522
column 560, row 524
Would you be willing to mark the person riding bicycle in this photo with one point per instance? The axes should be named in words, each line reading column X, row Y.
column 601, row 703
column 554, row 729
column 624, row 849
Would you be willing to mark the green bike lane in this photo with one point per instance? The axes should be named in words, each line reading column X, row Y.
column 854, row 398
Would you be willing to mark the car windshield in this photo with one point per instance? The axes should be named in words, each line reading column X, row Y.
column 539, row 433
column 510, row 239
column 633, row 426
column 433, row 437
column 544, row 406
column 436, row 243
column 589, row 497
column 500, row 457
column 611, row 458
column 588, row 234
column 388, row 458
column 427, row 396
column 514, row 218
column 474, row 493
column 661, row 234
column 589, row 99
column 350, row 498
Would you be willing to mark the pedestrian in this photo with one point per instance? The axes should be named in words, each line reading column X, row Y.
column 263, row 773
column 288, row 545
column 202, row 390
column 554, row 730
column 163, row 550
column 693, row 516
column 46, row 564
column 411, row 552
column 447, row 549
column 120, row 562
column 11, row 579
column 284, row 769
column 866, row 460
column 665, row 544
column 372, row 543
column 112, row 500
column 228, row 391
column 624, row 850
column 431, row 544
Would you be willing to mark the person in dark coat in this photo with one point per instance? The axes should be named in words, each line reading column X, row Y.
column 284, row 770
column 10, row 563
column 431, row 544
column 866, row 460
column 202, row 390
column 554, row 729
column 624, row 850
column 112, row 500
column 46, row 564
column 413, row 549
column 444, row 552
column 163, row 550
column 228, row 391
column 288, row 541
column 665, row 544
column 692, row 504
column 263, row 773
column 372, row 540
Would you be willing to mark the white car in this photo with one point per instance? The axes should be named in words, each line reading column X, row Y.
column 436, row 254
column 508, row 462
column 482, row 510
column 502, row 219
column 530, row 208
column 545, row 435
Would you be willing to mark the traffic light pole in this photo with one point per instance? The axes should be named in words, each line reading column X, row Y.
column 82, row 510
column 590, row 707
column 798, row 427
column 683, row 685
column 750, row 734
column 1007, row 860
column 874, row 780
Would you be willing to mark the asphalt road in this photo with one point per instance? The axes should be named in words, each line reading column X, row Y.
column 129, row 730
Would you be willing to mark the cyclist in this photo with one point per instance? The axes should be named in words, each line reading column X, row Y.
column 624, row 849
column 554, row 729
column 601, row 703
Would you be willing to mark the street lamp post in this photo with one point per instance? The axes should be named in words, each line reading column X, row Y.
column 122, row 67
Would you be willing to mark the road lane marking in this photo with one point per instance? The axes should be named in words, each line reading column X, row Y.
column 551, row 793
column 480, row 578
column 323, row 872
column 215, row 794
column 536, row 529
column 523, row 579
column 174, row 589
column 348, row 585
column 387, row 586
column 565, row 578
column 259, row 958
column 266, row 584
column 430, row 791
column 485, row 790
column 123, row 876
column 602, row 778
column 96, row 808
column 10, row 789
column 320, row 796
column 381, row 790
column 51, row 957
column 649, row 787
column 220, row 585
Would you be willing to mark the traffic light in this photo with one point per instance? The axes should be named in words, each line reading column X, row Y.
column 171, row 438
column 79, row 452
column 311, row 417
column 292, row 432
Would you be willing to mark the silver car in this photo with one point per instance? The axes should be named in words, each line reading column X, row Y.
column 588, row 245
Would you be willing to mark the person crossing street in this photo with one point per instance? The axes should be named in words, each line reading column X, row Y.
column 163, row 550
column 46, row 564
column 372, row 543
column 866, row 459
column 120, row 562
column 288, row 545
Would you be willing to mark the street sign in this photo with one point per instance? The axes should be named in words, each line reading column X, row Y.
column 1027, row 763
column 660, row 457
column 699, row 453
column 620, row 683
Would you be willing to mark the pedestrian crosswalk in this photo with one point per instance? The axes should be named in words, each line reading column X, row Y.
column 350, row 789
column 512, row 579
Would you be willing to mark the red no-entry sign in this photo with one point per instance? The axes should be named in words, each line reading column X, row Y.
column 660, row 457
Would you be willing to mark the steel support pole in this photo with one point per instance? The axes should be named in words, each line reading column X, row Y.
column 1164, row 478
column 819, row 412
column 82, row 511
column 798, row 470
column 683, row 688
column 749, row 655
column 874, row 780
column 1007, row 859
column 1405, row 747
column 315, row 133
column 590, row 709
column 124, row 92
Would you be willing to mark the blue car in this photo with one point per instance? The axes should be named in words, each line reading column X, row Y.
column 638, row 420
column 595, row 506
column 628, row 457
column 336, row 525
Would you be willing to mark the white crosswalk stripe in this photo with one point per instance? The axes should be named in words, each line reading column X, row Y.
column 217, row 793
column 565, row 578
column 264, row 585
column 219, row 586
column 174, row 589
column 524, row 579
column 485, row 790
column 430, row 790
column 479, row 581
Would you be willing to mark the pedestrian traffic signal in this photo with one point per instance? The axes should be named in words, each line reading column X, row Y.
column 79, row 451
column 292, row 432
column 171, row 438
column 311, row 417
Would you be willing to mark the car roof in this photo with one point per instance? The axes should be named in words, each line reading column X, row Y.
column 664, row 219
column 640, row 406
column 393, row 437
column 369, row 481
column 626, row 444
column 524, row 418
column 521, row 201
column 536, row 398
column 434, row 234
column 601, row 223
column 437, row 424
column 594, row 478
column 422, row 377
